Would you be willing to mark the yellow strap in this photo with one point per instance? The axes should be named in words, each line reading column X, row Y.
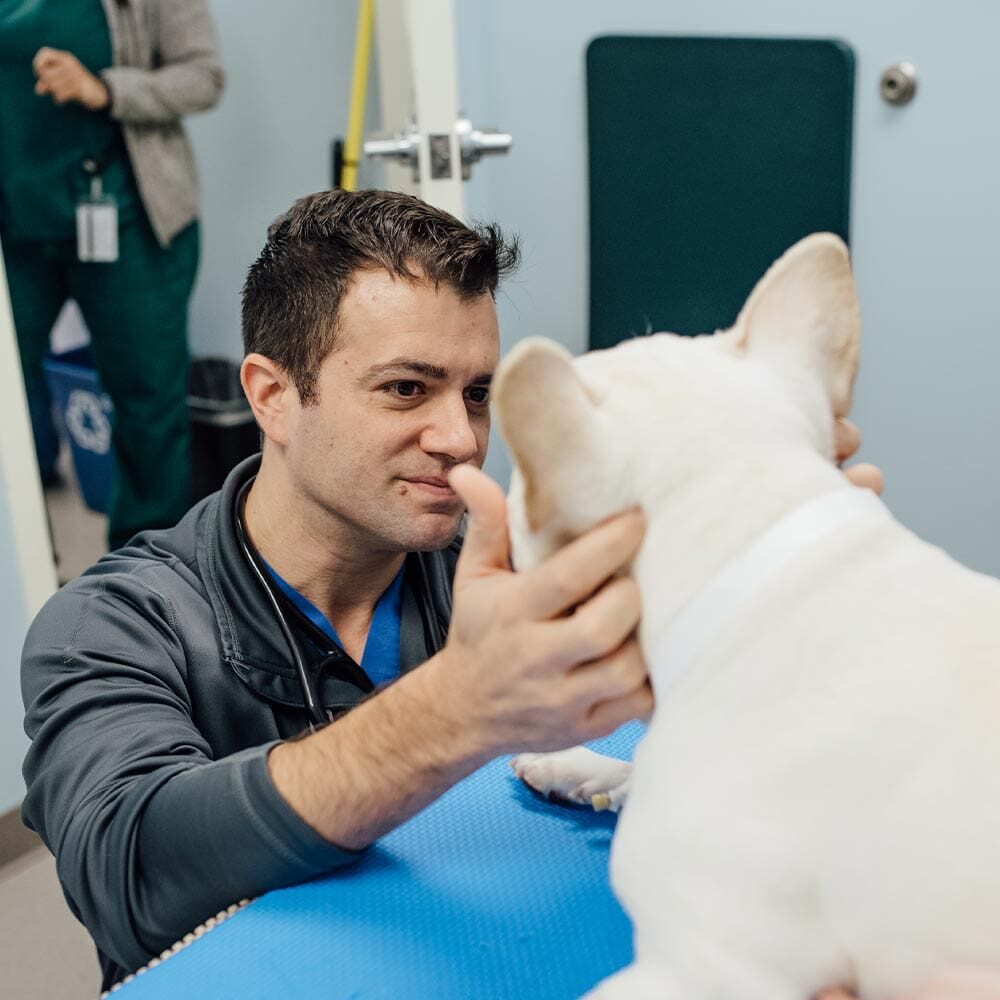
column 356, row 118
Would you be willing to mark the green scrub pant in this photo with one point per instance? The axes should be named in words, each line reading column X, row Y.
column 136, row 312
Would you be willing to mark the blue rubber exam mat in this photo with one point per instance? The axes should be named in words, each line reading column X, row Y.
column 490, row 892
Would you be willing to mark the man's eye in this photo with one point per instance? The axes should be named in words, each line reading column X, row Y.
column 479, row 394
column 406, row 390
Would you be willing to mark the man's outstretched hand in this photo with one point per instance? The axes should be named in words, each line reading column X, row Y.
column 546, row 658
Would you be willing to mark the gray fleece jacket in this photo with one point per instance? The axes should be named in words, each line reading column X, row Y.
column 154, row 686
column 166, row 65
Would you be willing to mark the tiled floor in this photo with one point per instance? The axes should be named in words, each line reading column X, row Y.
column 44, row 952
column 78, row 534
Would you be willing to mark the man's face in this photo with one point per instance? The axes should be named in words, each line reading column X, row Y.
column 402, row 399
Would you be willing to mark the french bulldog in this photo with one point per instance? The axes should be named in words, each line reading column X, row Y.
column 814, row 799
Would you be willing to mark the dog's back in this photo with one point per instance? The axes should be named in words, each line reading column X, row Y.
column 811, row 803
column 819, row 782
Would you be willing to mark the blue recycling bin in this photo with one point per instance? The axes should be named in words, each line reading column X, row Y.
column 84, row 412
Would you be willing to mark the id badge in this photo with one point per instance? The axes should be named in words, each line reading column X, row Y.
column 97, row 227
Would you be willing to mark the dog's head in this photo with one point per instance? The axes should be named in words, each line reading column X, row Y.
column 593, row 435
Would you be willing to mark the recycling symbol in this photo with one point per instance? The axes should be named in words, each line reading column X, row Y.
column 87, row 420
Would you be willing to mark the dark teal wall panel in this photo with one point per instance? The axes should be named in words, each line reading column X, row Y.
column 708, row 158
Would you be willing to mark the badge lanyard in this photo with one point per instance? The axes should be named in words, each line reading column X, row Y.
column 96, row 219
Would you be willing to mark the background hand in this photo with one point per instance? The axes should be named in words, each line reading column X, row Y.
column 62, row 76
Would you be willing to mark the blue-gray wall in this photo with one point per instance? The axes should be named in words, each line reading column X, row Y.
column 924, row 222
column 924, row 204
column 288, row 70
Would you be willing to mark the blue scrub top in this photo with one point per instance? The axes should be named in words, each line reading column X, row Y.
column 380, row 660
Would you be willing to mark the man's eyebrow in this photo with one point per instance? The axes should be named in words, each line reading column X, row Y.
column 408, row 365
column 411, row 366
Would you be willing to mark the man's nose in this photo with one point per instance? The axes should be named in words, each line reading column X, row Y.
column 450, row 432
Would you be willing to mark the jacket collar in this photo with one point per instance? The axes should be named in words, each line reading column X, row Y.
column 252, row 642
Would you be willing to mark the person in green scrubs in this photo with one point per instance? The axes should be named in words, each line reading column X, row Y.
column 88, row 94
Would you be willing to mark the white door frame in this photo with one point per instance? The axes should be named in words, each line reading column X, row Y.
column 35, row 566
column 434, row 62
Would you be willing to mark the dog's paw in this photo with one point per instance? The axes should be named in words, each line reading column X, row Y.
column 577, row 775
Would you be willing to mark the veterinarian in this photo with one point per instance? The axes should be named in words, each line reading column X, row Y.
column 166, row 769
column 177, row 694
column 99, row 203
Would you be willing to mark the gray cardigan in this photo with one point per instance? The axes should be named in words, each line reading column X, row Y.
column 166, row 65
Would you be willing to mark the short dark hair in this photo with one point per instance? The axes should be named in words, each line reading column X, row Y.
column 293, row 290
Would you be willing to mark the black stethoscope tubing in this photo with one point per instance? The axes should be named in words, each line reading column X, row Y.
column 317, row 714
column 435, row 631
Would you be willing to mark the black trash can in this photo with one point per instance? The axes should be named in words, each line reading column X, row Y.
column 223, row 430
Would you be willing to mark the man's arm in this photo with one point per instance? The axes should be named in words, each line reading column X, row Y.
column 515, row 675
column 151, row 834
column 534, row 661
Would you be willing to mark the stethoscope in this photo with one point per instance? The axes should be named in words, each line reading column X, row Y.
column 434, row 630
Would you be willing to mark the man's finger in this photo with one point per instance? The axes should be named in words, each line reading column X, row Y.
column 600, row 625
column 866, row 475
column 572, row 574
column 606, row 716
column 486, row 548
column 615, row 676
column 846, row 439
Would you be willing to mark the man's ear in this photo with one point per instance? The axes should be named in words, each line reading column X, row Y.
column 804, row 311
column 271, row 394
column 548, row 419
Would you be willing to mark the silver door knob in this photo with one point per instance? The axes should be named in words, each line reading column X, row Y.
column 403, row 146
column 473, row 143
column 899, row 84
column 476, row 143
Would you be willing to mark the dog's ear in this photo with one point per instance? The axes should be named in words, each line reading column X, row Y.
column 805, row 310
column 546, row 416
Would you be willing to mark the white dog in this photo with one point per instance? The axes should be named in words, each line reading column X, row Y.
column 815, row 800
